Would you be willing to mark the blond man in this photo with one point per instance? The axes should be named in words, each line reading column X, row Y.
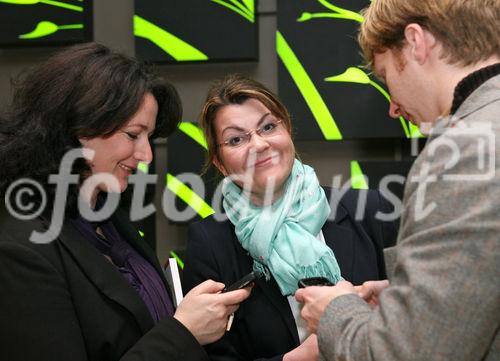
column 441, row 62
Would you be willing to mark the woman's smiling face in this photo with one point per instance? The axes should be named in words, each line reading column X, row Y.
column 120, row 153
column 266, row 160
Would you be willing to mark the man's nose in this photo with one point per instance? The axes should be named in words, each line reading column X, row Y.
column 394, row 110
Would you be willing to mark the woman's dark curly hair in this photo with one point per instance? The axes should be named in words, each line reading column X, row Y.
column 86, row 90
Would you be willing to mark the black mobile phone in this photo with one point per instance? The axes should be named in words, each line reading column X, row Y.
column 243, row 282
column 314, row 281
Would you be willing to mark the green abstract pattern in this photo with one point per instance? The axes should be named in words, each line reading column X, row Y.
column 358, row 180
column 194, row 132
column 188, row 196
column 356, row 75
column 352, row 74
column 306, row 87
column 45, row 28
column 336, row 13
column 245, row 8
column 169, row 43
column 183, row 191
column 47, row 2
column 179, row 261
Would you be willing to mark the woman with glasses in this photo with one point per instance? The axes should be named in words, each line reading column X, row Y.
column 279, row 222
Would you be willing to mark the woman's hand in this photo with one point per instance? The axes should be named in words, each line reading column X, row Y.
column 307, row 351
column 371, row 290
column 204, row 311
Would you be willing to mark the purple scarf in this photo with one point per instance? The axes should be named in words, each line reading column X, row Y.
column 137, row 271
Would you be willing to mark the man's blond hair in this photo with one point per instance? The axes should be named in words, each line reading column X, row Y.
column 468, row 30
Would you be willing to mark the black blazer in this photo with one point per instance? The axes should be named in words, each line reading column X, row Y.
column 264, row 327
column 65, row 301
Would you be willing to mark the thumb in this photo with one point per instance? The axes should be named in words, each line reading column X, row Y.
column 361, row 291
column 235, row 297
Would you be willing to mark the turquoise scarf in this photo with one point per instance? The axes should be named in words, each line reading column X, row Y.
column 281, row 238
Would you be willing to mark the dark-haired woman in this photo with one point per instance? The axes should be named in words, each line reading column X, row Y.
column 95, row 291
column 279, row 222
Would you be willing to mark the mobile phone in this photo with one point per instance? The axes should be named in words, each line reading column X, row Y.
column 314, row 281
column 243, row 282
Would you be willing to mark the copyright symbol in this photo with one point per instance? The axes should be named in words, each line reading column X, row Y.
column 17, row 199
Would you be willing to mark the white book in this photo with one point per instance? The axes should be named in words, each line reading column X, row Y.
column 174, row 280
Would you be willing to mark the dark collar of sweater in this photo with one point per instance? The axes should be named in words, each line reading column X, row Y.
column 471, row 82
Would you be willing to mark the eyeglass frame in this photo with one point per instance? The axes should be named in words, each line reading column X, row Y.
column 249, row 134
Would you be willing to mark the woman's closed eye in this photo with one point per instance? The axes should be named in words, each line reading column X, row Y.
column 131, row 136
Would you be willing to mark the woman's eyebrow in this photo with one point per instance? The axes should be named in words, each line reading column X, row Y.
column 262, row 118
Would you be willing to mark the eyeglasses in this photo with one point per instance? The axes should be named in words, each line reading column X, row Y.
column 239, row 139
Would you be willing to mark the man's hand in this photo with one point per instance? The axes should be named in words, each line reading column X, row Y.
column 371, row 290
column 316, row 298
column 204, row 311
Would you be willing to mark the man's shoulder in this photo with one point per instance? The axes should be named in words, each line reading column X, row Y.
column 484, row 100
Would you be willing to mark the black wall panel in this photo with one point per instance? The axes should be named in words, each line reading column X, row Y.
column 195, row 30
column 28, row 23
column 317, row 40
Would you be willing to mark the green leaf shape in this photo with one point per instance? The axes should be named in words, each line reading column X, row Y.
column 194, row 132
column 45, row 28
column 169, row 43
column 358, row 180
column 352, row 75
column 337, row 13
column 239, row 9
column 306, row 87
column 188, row 196
column 305, row 17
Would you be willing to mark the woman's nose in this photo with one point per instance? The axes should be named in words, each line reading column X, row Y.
column 257, row 142
column 144, row 153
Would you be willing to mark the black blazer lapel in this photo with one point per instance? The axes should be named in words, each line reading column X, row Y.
column 105, row 276
column 339, row 235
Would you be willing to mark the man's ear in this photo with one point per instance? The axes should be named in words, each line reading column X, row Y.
column 420, row 42
column 83, row 141
column 216, row 162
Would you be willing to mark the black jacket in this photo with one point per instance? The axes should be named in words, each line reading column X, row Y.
column 264, row 327
column 65, row 301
